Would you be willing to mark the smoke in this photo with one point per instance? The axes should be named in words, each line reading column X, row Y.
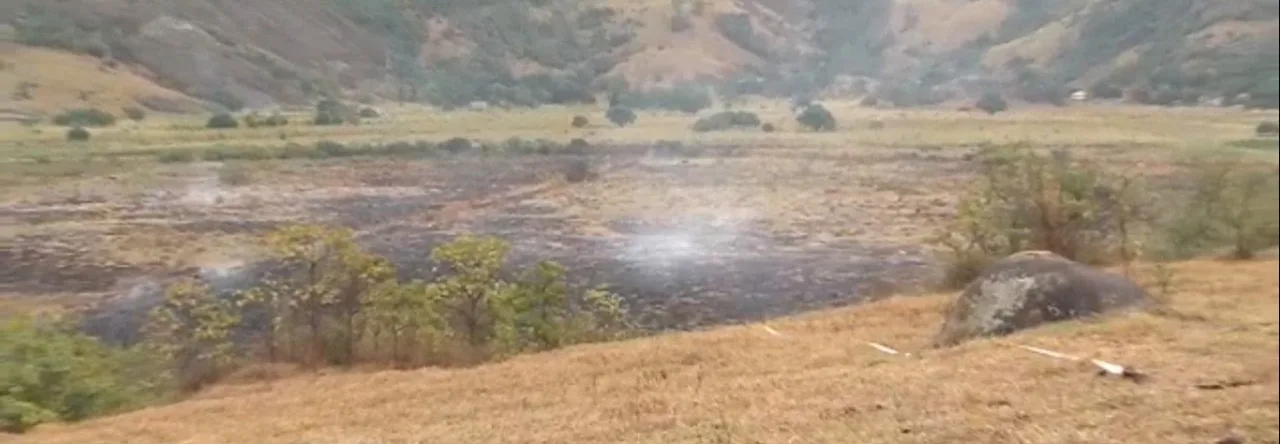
column 692, row 236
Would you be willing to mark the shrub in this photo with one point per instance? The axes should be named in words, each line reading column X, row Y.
column 991, row 103
column 725, row 120
column 869, row 101
column 89, row 117
column 177, row 155
column 78, row 134
column 578, row 147
column 48, row 372
column 456, row 145
column 334, row 112
column 620, row 116
column 817, row 118
column 222, row 121
column 768, row 128
column 369, row 113
column 134, row 113
column 680, row 23
column 578, row 170
column 1229, row 205
column 685, row 97
column 580, row 122
column 1265, row 129
column 1025, row 201
column 276, row 119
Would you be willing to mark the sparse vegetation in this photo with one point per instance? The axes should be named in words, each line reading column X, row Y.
column 580, row 122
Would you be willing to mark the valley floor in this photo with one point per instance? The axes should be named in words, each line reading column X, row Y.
column 1210, row 352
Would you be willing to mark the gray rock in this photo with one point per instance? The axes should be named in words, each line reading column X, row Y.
column 1030, row 288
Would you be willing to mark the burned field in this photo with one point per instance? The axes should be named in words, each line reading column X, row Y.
column 727, row 234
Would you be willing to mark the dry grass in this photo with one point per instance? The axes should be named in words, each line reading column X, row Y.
column 818, row 383
column 64, row 80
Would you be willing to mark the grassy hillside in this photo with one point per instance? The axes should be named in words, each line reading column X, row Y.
column 1210, row 353
column 526, row 52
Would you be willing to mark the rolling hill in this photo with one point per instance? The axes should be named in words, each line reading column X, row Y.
column 263, row 53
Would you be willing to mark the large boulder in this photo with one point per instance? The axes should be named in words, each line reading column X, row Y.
column 1030, row 288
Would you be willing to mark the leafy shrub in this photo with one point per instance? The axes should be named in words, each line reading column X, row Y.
column 369, row 113
column 817, row 118
column 1026, row 201
column 580, row 122
column 222, row 121
column 1265, row 129
column 48, row 373
column 134, row 113
column 768, row 128
column 725, row 120
column 578, row 147
column 78, row 134
column 620, row 116
column 88, row 117
column 992, row 103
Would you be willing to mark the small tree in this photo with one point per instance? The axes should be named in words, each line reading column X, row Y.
column 992, row 102
column 222, row 121
column 192, row 329
column 580, row 122
column 817, row 118
column 78, row 134
column 620, row 116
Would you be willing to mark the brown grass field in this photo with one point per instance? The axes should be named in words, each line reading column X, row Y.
column 760, row 225
column 1210, row 354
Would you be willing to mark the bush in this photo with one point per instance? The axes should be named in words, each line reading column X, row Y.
column 1266, row 129
column 580, row 122
column 134, row 113
column 369, row 113
column 725, row 120
column 768, row 128
column 78, row 134
column 456, row 145
column 222, row 121
column 992, row 103
column 578, row 170
column 89, row 117
column 50, row 373
column 817, row 118
column 620, row 116
column 1025, row 201
column 685, row 97
column 578, row 147
column 334, row 112
column 680, row 23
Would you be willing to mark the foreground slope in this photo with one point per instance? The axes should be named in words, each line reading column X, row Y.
column 1211, row 353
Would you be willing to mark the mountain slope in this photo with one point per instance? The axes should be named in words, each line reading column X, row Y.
column 261, row 52
column 1211, row 357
